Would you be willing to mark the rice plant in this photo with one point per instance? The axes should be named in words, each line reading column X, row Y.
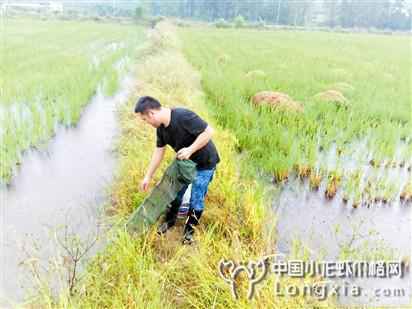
column 53, row 69
column 353, row 115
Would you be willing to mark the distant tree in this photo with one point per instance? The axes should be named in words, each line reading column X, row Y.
column 239, row 21
column 286, row 16
column 347, row 13
column 400, row 16
column 156, row 7
column 383, row 20
column 332, row 12
column 298, row 12
column 305, row 12
column 138, row 13
column 191, row 8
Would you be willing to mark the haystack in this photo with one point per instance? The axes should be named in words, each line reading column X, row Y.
column 276, row 100
column 332, row 96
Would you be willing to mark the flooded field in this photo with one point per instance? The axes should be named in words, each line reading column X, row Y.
column 334, row 142
column 323, row 229
column 56, row 192
column 53, row 69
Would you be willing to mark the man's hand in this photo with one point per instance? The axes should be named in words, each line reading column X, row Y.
column 144, row 185
column 157, row 157
column 201, row 140
column 184, row 153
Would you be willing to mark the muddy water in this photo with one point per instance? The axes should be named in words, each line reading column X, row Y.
column 329, row 228
column 64, row 186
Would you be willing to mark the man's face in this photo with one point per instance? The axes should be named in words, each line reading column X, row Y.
column 151, row 117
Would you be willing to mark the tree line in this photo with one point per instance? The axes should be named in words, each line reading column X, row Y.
column 384, row 14
column 381, row 14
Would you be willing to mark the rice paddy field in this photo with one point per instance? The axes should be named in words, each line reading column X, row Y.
column 350, row 125
column 50, row 70
column 316, row 119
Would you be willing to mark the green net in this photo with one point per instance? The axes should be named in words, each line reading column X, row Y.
column 178, row 174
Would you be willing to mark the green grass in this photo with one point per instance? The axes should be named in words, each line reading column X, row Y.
column 50, row 70
column 371, row 71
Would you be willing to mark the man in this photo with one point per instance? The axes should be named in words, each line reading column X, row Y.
column 190, row 137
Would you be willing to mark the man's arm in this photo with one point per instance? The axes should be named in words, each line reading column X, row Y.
column 201, row 140
column 157, row 157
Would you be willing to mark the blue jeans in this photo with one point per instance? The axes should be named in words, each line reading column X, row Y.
column 199, row 190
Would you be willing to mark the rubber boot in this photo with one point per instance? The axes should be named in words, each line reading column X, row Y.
column 191, row 221
column 170, row 218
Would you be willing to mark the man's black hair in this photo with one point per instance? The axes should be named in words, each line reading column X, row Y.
column 145, row 103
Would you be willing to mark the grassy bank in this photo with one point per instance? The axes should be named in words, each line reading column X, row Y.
column 354, row 90
column 158, row 272
column 51, row 70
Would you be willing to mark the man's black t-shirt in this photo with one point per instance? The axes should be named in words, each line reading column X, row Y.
column 184, row 127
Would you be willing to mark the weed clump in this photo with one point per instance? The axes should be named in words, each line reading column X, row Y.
column 342, row 87
column 255, row 75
